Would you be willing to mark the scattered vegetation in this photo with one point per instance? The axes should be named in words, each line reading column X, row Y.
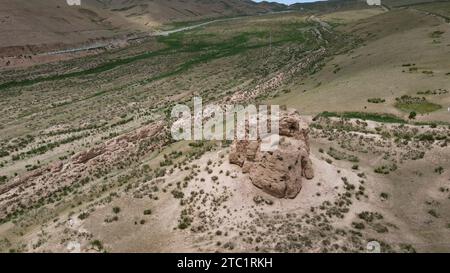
column 416, row 105
column 339, row 155
column 386, row 118
column 386, row 169
column 376, row 100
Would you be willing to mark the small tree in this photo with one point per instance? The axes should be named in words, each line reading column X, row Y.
column 412, row 115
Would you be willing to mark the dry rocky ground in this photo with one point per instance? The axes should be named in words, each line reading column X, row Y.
column 87, row 163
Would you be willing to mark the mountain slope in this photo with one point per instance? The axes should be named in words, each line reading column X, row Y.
column 330, row 5
column 51, row 23
column 405, row 3
column 48, row 22
column 162, row 11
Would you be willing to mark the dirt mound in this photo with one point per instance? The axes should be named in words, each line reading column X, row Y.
column 280, row 172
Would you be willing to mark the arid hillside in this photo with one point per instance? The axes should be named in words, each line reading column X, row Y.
column 144, row 12
column 405, row 3
column 35, row 24
column 88, row 162
column 397, row 69
column 27, row 27
column 329, row 6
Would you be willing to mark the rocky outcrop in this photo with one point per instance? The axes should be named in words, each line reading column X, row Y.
column 85, row 156
column 21, row 191
column 280, row 172
column 307, row 62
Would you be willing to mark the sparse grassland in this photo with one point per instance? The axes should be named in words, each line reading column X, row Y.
column 132, row 177
column 387, row 118
column 441, row 8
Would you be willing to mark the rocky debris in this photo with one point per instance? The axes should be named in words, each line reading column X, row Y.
column 280, row 172
column 85, row 156
column 56, row 167
column 52, row 168
column 22, row 190
column 258, row 199
column 121, row 142
column 278, row 79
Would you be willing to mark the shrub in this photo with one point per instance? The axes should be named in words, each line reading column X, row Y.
column 147, row 212
column 183, row 225
column 436, row 34
column 3, row 153
column 370, row 216
column 165, row 163
column 358, row 225
column 376, row 100
column 3, row 179
column 439, row 170
column 386, row 169
column 160, row 172
column 433, row 213
column 83, row 216
column 116, row 210
column 110, row 219
column 177, row 194
column 185, row 221
column 384, row 195
column 426, row 137
column 97, row 244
